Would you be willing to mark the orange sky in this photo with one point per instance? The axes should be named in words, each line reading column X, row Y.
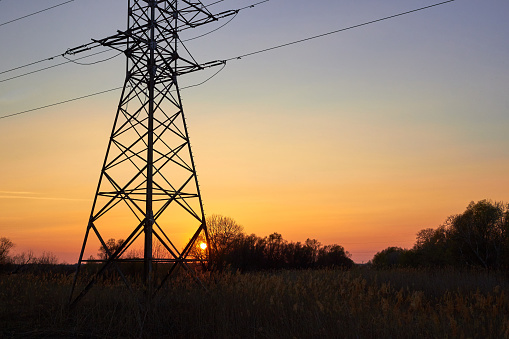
column 360, row 139
column 361, row 201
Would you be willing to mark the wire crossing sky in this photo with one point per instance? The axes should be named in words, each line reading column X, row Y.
column 229, row 59
column 361, row 138
column 29, row 15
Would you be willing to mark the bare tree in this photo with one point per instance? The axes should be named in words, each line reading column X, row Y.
column 47, row 258
column 5, row 247
column 223, row 232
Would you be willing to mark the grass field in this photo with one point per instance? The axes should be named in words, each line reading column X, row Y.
column 361, row 303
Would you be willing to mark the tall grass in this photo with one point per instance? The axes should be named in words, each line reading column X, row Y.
column 360, row 303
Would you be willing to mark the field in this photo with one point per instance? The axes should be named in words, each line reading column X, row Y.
column 360, row 303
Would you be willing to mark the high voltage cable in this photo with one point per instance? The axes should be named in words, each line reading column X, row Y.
column 91, row 63
column 42, row 10
column 101, row 92
column 218, row 28
column 337, row 31
column 51, row 58
column 30, row 64
column 61, row 102
column 201, row 83
column 62, row 63
column 69, row 60
column 244, row 55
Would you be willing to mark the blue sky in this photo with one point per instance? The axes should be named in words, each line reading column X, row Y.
column 361, row 138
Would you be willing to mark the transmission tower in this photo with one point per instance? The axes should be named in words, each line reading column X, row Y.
column 148, row 192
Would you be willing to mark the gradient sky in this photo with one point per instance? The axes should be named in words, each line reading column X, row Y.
column 361, row 138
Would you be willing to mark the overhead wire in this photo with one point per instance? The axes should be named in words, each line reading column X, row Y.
column 59, row 103
column 248, row 54
column 42, row 10
column 252, row 5
column 236, row 12
column 98, row 93
column 52, row 58
column 60, row 64
column 337, row 31
column 93, row 63
column 226, row 23
column 30, row 64
column 215, row 2
column 214, row 30
column 209, row 78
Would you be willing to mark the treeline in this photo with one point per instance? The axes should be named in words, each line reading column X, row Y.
column 25, row 261
column 478, row 237
column 24, row 258
column 232, row 249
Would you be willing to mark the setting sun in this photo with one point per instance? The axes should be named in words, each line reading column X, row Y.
column 203, row 246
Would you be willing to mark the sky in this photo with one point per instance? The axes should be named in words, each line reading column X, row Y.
column 360, row 138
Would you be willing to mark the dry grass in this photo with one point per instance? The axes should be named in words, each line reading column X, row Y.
column 290, row 304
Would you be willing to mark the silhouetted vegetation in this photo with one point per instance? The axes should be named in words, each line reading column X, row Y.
column 478, row 237
column 359, row 303
column 277, row 295
column 112, row 246
column 251, row 253
column 232, row 249
column 5, row 247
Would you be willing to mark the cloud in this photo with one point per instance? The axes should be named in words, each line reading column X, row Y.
column 17, row 192
column 33, row 196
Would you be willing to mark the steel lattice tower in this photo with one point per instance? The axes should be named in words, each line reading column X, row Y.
column 148, row 188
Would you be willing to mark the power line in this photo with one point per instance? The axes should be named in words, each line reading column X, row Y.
column 226, row 23
column 202, row 35
column 85, row 47
column 51, row 58
column 60, row 64
column 337, row 31
column 61, row 102
column 101, row 92
column 201, row 83
column 243, row 55
column 26, row 16
column 216, row 2
column 43, row 10
column 91, row 63
column 30, row 64
column 97, row 43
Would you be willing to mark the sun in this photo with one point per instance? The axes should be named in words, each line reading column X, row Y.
column 203, row 245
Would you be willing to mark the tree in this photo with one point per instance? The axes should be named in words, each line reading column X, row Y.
column 313, row 246
column 334, row 256
column 477, row 237
column 112, row 246
column 5, row 247
column 434, row 247
column 274, row 250
column 231, row 248
column 247, row 254
column 481, row 232
column 392, row 257
column 223, row 233
column 47, row 258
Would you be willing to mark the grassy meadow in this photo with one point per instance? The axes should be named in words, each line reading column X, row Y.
column 359, row 303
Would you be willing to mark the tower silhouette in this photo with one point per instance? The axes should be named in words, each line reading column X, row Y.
column 148, row 193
